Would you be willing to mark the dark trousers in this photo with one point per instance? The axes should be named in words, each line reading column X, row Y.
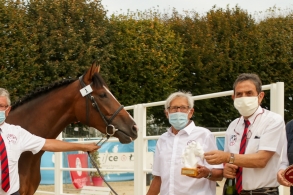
column 261, row 191
column 15, row 193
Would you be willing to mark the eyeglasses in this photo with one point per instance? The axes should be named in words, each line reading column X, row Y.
column 2, row 107
column 181, row 108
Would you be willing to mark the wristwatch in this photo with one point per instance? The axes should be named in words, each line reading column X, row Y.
column 209, row 175
column 231, row 160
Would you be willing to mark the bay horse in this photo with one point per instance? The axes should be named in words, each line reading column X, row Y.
column 48, row 111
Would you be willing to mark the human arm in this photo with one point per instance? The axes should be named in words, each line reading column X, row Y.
column 155, row 186
column 255, row 160
column 54, row 145
column 203, row 172
column 284, row 164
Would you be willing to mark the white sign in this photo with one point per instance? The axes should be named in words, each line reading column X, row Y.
column 122, row 160
column 86, row 90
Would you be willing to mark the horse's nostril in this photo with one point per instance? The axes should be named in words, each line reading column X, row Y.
column 135, row 128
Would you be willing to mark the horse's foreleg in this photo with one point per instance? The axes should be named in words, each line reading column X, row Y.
column 29, row 173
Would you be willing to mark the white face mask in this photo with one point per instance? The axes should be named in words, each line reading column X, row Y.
column 246, row 106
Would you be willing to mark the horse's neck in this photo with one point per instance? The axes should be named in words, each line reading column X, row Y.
column 46, row 115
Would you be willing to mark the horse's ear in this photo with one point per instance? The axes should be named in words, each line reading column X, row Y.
column 89, row 74
column 98, row 68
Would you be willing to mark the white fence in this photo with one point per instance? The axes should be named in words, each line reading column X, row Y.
column 140, row 144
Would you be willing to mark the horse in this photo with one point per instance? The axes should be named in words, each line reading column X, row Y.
column 47, row 111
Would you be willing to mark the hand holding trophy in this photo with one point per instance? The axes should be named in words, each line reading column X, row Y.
column 191, row 155
column 288, row 174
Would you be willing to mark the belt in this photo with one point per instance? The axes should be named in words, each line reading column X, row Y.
column 15, row 193
column 259, row 191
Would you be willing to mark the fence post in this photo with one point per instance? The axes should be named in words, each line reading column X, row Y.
column 280, row 98
column 139, row 150
column 58, row 173
column 277, row 106
column 273, row 98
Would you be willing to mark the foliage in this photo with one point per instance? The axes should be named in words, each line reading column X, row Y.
column 47, row 40
column 145, row 60
column 145, row 56
column 274, row 62
column 96, row 158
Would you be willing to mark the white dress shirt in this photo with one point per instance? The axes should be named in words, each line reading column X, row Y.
column 168, row 162
column 266, row 132
column 18, row 140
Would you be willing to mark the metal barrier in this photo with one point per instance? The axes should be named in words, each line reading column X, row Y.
column 140, row 145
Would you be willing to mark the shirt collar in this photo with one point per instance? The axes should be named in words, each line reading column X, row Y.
column 188, row 129
column 252, row 117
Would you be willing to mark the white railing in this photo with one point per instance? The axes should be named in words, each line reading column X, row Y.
column 140, row 144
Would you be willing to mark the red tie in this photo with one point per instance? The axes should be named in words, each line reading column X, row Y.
column 4, row 166
column 241, row 151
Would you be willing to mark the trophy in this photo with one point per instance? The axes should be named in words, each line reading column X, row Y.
column 288, row 174
column 193, row 152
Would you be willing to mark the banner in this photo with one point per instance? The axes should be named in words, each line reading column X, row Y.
column 123, row 160
column 79, row 178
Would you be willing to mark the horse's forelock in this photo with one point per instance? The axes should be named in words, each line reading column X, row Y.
column 98, row 81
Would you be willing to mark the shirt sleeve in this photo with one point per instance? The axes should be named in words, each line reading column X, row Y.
column 284, row 160
column 274, row 130
column 30, row 142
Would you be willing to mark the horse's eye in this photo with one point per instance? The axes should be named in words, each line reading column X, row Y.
column 103, row 95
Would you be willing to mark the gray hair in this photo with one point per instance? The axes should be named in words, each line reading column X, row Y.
column 186, row 95
column 254, row 78
column 5, row 93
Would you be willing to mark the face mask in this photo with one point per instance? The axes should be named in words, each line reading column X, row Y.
column 178, row 120
column 246, row 106
column 2, row 116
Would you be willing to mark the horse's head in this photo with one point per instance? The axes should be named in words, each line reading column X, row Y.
column 101, row 110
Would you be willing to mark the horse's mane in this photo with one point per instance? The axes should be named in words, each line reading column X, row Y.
column 97, row 82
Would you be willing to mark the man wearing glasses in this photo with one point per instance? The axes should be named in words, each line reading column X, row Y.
column 171, row 146
column 254, row 142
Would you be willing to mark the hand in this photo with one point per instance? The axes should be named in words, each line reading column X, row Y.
column 216, row 157
column 281, row 179
column 91, row 147
column 230, row 170
column 202, row 172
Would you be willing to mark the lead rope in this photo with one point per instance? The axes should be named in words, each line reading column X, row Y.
column 107, row 121
column 96, row 166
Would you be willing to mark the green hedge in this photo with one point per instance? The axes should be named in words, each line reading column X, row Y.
column 145, row 56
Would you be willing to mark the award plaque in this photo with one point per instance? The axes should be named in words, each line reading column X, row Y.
column 193, row 152
column 189, row 171
column 288, row 174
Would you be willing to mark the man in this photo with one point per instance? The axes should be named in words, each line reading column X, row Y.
column 289, row 131
column 171, row 146
column 17, row 140
column 253, row 142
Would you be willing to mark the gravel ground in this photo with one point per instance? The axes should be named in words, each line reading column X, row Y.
column 122, row 188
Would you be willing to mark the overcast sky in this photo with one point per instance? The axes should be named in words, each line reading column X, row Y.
column 252, row 6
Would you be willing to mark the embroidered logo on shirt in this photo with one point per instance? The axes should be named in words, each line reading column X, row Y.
column 11, row 138
column 233, row 139
column 190, row 141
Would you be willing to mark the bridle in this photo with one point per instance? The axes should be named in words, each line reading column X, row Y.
column 110, row 129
